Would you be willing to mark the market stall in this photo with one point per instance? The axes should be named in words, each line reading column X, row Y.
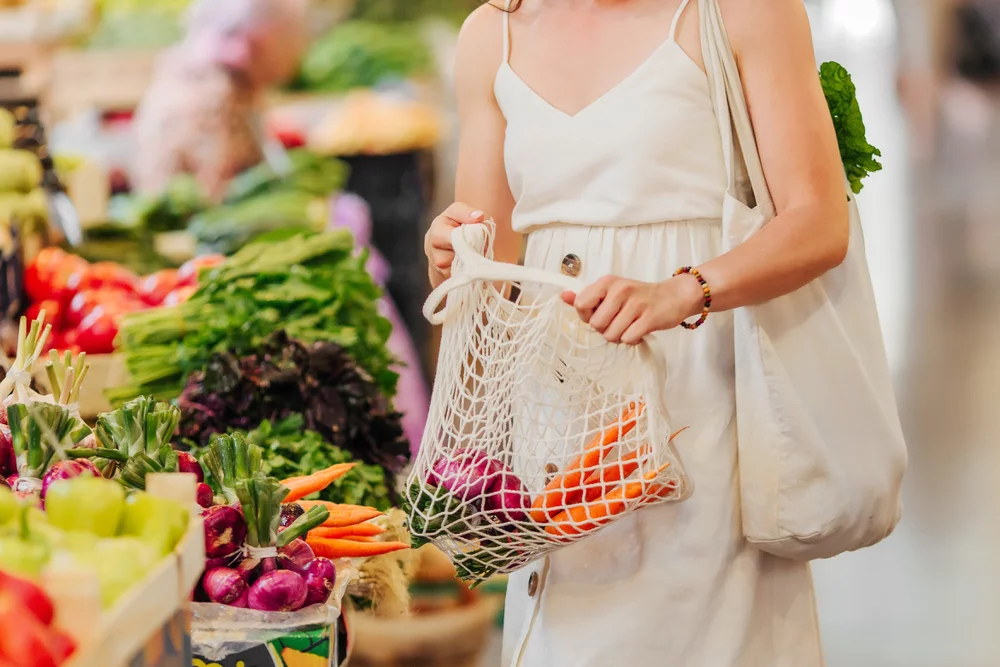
column 263, row 337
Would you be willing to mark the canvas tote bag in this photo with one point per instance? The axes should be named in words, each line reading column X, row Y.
column 821, row 450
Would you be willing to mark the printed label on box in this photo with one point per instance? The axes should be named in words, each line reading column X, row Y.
column 311, row 648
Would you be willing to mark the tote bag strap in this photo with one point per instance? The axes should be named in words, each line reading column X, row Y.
column 738, row 142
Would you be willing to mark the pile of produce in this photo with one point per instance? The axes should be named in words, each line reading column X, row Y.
column 28, row 635
column 89, row 523
column 267, row 548
column 362, row 54
column 257, row 201
column 85, row 303
column 309, row 285
column 314, row 407
column 22, row 199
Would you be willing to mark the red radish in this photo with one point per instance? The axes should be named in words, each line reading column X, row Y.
column 204, row 495
column 68, row 470
column 188, row 463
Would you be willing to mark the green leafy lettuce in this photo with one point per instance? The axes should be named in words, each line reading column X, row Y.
column 858, row 155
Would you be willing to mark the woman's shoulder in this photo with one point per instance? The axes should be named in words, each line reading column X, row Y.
column 756, row 24
column 480, row 48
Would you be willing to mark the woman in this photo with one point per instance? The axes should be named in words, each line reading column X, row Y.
column 588, row 126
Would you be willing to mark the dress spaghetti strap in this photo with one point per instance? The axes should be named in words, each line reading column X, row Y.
column 677, row 20
column 506, row 30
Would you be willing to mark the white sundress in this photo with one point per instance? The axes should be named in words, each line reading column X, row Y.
column 633, row 185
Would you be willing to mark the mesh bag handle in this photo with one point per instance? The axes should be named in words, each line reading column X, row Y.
column 471, row 245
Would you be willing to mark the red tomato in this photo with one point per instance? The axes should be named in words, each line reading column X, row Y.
column 47, row 277
column 154, row 288
column 96, row 333
column 53, row 312
column 113, row 300
column 180, row 295
column 104, row 275
column 188, row 274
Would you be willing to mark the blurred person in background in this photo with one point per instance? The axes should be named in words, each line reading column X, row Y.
column 200, row 114
column 588, row 125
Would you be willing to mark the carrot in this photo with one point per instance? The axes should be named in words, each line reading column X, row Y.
column 565, row 489
column 585, row 518
column 332, row 548
column 601, row 480
column 304, row 485
column 359, row 530
column 342, row 516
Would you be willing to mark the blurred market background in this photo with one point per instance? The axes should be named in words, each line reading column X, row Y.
column 359, row 133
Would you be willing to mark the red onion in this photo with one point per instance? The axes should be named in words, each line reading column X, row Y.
column 295, row 555
column 242, row 601
column 68, row 470
column 225, row 531
column 212, row 563
column 188, row 463
column 248, row 569
column 280, row 590
column 466, row 473
column 223, row 585
column 8, row 459
column 507, row 500
column 320, row 575
column 204, row 495
column 289, row 513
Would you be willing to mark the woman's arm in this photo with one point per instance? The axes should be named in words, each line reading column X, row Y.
column 481, row 188
column 798, row 149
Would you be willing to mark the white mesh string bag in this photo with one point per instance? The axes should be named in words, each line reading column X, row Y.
column 540, row 432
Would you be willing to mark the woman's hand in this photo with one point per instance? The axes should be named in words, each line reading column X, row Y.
column 437, row 242
column 626, row 311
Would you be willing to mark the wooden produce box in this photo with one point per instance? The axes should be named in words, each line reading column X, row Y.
column 151, row 625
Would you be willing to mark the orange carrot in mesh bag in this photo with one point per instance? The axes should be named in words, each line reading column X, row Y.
column 601, row 481
column 584, row 518
column 565, row 489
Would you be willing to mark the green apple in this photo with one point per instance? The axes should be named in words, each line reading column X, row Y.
column 120, row 563
column 91, row 504
column 157, row 521
column 22, row 552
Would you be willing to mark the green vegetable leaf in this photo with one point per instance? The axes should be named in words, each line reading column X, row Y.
column 858, row 156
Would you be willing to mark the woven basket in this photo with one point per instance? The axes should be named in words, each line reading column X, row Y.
column 454, row 638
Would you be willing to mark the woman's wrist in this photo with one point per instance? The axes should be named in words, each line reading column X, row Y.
column 692, row 295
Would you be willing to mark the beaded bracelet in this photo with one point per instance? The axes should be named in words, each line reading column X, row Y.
column 706, row 290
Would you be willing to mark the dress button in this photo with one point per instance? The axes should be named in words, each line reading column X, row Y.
column 533, row 584
column 571, row 265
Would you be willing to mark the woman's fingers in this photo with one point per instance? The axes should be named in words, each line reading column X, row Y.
column 438, row 242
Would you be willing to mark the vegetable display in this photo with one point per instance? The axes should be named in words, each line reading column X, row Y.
column 308, row 285
column 262, row 549
column 285, row 386
column 859, row 156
